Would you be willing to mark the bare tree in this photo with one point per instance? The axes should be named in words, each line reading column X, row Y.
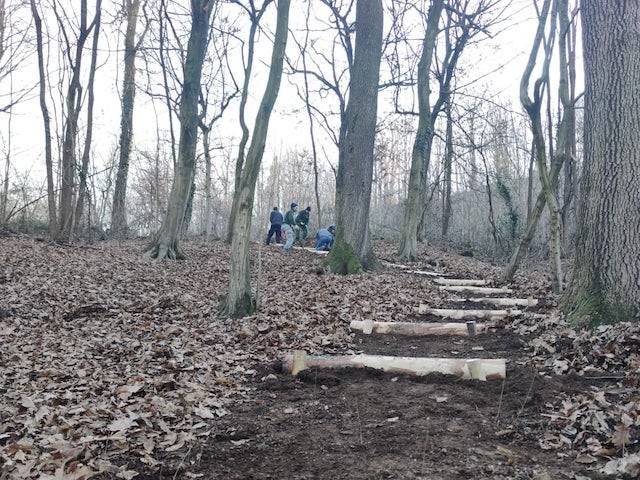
column 239, row 301
column 605, row 285
column 352, row 250
column 131, row 48
column 255, row 14
column 166, row 244
column 84, row 167
column 51, row 196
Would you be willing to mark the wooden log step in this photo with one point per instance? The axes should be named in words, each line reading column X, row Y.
column 312, row 250
column 478, row 290
column 455, row 314
column 502, row 302
column 409, row 269
column 453, row 282
column 424, row 272
column 418, row 329
column 477, row 369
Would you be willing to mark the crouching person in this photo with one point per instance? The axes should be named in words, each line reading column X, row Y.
column 324, row 238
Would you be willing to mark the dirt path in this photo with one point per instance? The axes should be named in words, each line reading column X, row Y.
column 364, row 424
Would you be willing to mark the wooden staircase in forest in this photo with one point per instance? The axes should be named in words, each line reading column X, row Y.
column 464, row 321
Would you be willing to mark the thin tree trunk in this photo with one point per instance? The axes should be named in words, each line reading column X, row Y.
column 352, row 250
column 532, row 161
column 51, row 196
column 68, row 164
column 605, row 285
column 207, row 183
column 448, row 163
column 421, row 151
column 118, row 212
column 239, row 301
column 166, row 245
column 84, row 168
column 256, row 15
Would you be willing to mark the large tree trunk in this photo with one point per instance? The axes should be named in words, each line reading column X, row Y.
column 239, row 301
column 86, row 153
column 421, row 152
column 605, row 285
column 118, row 212
column 352, row 250
column 51, row 196
column 166, row 244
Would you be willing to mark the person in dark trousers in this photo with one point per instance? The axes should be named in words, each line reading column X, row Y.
column 302, row 220
column 324, row 238
column 289, row 227
column 276, row 224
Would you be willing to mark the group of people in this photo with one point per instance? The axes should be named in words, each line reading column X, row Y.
column 295, row 226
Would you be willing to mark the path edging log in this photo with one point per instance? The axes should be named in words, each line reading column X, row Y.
column 460, row 282
column 417, row 329
column 456, row 314
column 466, row 369
column 502, row 302
column 479, row 290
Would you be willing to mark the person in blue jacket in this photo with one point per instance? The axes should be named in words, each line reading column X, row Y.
column 324, row 238
column 276, row 220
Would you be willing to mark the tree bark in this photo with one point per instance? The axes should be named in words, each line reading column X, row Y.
column 86, row 153
column 239, row 301
column 605, row 285
column 421, row 151
column 166, row 244
column 46, row 119
column 118, row 212
column 352, row 250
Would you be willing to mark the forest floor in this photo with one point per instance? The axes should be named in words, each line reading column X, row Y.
column 112, row 366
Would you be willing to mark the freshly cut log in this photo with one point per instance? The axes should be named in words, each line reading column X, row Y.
column 477, row 369
column 479, row 290
column 417, row 329
column 424, row 272
column 503, row 302
column 455, row 314
column 451, row 282
column 395, row 265
column 312, row 250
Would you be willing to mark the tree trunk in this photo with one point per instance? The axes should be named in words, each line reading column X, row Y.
column 605, row 285
column 207, row 183
column 244, row 94
column 448, row 163
column 68, row 163
column 166, row 245
column 352, row 250
column 239, row 301
column 51, row 196
column 118, row 212
column 421, row 152
column 84, row 168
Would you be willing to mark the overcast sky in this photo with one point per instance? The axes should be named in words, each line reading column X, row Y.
column 496, row 64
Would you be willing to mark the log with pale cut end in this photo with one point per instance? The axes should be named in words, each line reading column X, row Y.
column 424, row 272
column 477, row 369
column 453, row 282
column 417, row 329
column 312, row 250
column 409, row 269
column 503, row 302
column 478, row 290
column 455, row 314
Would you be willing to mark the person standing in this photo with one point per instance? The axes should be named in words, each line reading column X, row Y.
column 289, row 227
column 302, row 220
column 276, row 225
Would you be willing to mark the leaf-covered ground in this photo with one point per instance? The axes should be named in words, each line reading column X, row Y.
column 118, row 367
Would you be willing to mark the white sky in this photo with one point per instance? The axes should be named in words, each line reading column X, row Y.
column 498, row 62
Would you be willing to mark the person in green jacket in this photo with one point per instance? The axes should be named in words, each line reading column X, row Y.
column 302, row 221
column 289, row 227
